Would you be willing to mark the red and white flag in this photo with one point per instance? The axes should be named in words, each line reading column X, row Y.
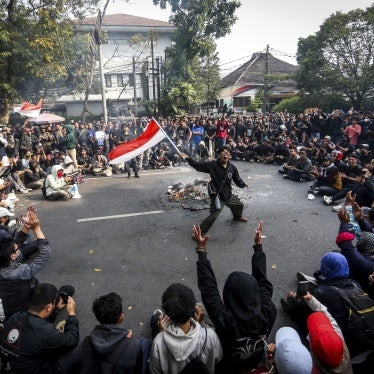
column 127, row 151
column 29, row 110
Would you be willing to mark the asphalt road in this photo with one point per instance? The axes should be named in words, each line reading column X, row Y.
column 121, row 237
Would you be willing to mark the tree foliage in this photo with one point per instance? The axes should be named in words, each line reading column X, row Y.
column 37, row 48
column 192, row 59
column 338, row 59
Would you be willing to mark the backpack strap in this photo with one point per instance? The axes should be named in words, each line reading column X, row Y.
column 346, row 299
column 190, row 357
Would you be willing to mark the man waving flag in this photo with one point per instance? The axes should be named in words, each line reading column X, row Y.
column 28, row 109
column 152, row 135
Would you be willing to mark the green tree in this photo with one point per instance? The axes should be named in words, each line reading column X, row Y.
column 37, row 48
column 192, row 58
column 338, row 60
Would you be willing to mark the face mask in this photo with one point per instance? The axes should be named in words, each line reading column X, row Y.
column 366, row 119
column 60, row 174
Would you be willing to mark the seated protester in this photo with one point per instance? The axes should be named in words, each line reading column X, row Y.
column 201, row 152
column 337, row 159
column 84, row 161
column 17, row 276
column 365, row 190
column 291, row 162
column 291, row 355
column 281, row 153
column 301, row 170
column 68, row 166
column 34, row 176
column 100, row 165
column 350, row 178
column 57, row 185
column 365, row 156
column 360, row 266
column 239, row 151
column 329, row 351
column 246, row 315
column 31, row 343
column 111, row 343
column 328, row 180
column 332, row 277
column 181, row 337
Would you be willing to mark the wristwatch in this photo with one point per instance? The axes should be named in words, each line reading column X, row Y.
column 200, row 250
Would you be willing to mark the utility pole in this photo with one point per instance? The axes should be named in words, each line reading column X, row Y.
column 153, row 72
column 265, row 80
column 158, row 84
column 134, row 80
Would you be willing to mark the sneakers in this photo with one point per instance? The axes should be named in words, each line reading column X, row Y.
column 301, row 180
column 301, row 277
column 285, row 176
column 338, row 207
column 310, row 196
column 328, row 200
column 76, row 195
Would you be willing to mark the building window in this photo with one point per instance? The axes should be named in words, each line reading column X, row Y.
column 131, row 80
column 108, row 80
column 120, row 80
column 242, row 102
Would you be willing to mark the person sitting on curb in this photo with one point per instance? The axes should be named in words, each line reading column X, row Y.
column 246, row 315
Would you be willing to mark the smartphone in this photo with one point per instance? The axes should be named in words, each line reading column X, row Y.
column 302, row 289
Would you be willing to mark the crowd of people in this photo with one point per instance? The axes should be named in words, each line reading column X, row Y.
column 332, row 310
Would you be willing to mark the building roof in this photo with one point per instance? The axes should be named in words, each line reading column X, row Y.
column 253, row 71
column 125, row 20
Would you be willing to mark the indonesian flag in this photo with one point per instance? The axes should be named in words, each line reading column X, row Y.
column 127, row 151
column 29, row 110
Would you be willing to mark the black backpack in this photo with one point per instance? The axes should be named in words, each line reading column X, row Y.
column 195, row 365
column 360, row 313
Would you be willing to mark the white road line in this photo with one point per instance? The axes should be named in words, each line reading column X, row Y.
column 120, row 216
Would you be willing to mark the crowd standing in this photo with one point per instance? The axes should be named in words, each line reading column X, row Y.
column 332, row 309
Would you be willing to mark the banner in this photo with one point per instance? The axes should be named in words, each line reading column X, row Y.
column 28, row 109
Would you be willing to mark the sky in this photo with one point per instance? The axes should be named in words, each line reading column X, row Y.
column 277, row 23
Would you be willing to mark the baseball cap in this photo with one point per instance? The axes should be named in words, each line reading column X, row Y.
column 5, row 212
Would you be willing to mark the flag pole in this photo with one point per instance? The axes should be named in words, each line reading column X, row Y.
column 167, row 136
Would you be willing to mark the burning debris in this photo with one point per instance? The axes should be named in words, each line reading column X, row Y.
column 191, row 196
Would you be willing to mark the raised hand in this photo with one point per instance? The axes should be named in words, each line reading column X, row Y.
column 258, row 236
column 196, row 234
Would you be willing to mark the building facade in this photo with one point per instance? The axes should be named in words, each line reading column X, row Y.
column 263, row 70
column 132, row 55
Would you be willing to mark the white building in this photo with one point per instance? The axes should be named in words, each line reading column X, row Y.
column 132, row 57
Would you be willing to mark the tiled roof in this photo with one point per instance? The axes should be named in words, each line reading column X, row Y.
column 126, row 20
column 252, row 72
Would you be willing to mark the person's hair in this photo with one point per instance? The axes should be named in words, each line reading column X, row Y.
column 108, row 308
column 41, row 295
column 224, row 148
column 178, row 302
column 6, row 249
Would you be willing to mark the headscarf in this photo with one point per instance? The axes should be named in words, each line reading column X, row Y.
column 334, row 265
column 291, row 356
column 365, row 245
column 325, row 342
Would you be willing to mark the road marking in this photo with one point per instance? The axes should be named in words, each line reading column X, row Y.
column 120, row 216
